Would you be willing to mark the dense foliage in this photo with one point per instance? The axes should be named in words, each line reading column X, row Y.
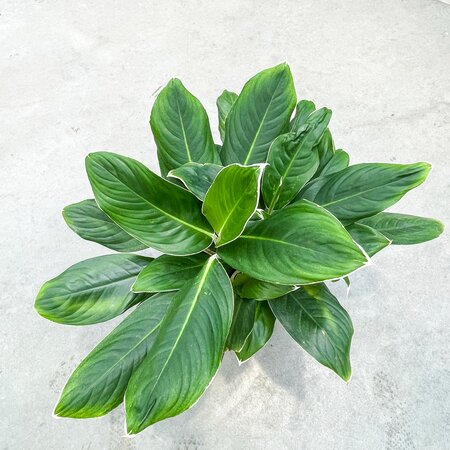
column 250, row 231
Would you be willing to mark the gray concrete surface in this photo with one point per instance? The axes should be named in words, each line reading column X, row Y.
column 79, row 76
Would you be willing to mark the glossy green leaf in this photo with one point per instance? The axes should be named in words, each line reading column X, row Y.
column 302, row 112
column 339, row 161
column 404, row 229
column 300, row 244
column 181, row 128
column 232, row 200
column 371, row 240
column 242, row 324
column 98, row 384
column 92, row 224
column 169, row 273
column 261, row 332
column 259, row 115
column 92, row 291
column 363, row 190
column 315, row 320
column 293, row 160
column 151, row 209
column 187, row 351
column 196, row 177
column 224, row 103
column 325, row 149
column 248, row 287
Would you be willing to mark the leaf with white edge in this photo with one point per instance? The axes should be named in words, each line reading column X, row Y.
column 363, row 190
column 92, row 291
column 314, row 318
column 339, row 161
column 242, row 324
column 303, row 110
column 371, row 240
column 232, row 200
column 98, row 384
column 87, row 220
column 404, row 229
column 260, row 113
column 300, row 244
column 169, row 273
column 149, row 208
column 224, row 103
column 293, row 161
column 196, row 177
column 261, row 332
column 248, row 287
column 181, row 128
column 187, row 351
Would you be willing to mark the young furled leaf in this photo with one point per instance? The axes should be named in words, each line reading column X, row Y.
column 232, row 200
column 259, row 115
column 224, row 103
column 303, row 110
column 181, row 129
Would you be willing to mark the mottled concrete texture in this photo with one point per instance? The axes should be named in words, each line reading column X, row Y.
column 80, row 76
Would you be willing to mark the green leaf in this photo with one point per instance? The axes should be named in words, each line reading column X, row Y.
column 231, row 200
column 196, row 177
column 325, row 149
column 169, row 273
column 92, row 291
column 315, row 320
column 363, row 190
column 304, row 109
column 259, row 115
column 248, row 287
column 149, row 208
column 404, row 229
column 261, row 332
column 242, row 324
column 92, row 224
column 98, row 384
column 370, row 240
column 224, row 103
column 292, row 161
column 300, row 244
column 181, row 129
column 187, row 351
column 339, row 161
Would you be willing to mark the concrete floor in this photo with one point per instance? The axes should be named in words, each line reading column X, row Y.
column 79, row 76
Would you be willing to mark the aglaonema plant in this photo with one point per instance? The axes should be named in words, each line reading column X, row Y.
column 250, row 230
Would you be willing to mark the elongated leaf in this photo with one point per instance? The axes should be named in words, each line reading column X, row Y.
column 339, row 161
column 302, row 111
column 315, row 320
column 232, row 200
column 261, row 332
column 363, row 190
column 293, row 161
column 259, row 115
column 370, row 240
column 299, row 244
column 92, row 291
column 325, row 148
column 92, row 224
column 181, row 129
column 169, row 273
column 196, row 177
column 154, row 211
column 187, row 351
column 404, row 229
column 98, row 384
column 242, row 324
column 224, row 103
column 248, row 287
